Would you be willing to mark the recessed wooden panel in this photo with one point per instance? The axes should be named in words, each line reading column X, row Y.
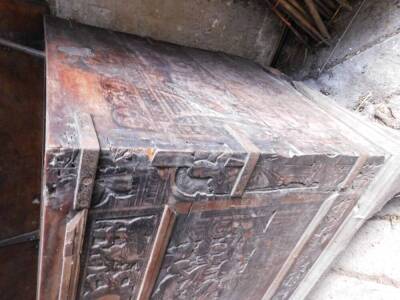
column 233, row 253
column 116, row 253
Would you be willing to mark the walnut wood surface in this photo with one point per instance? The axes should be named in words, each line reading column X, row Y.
column 232, row 253
column 244, row 160
column 154, row 95
column 73, row 242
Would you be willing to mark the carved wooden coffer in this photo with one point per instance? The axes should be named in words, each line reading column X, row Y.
column 174, row 173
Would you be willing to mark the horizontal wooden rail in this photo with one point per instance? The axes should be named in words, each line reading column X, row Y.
column 22, row 48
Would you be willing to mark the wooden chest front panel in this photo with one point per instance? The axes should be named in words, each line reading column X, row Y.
column 232, row 253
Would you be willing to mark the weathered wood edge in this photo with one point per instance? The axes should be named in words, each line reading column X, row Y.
column 74, row 236
column 296, row 252
column 380, row 191
column 377, row 135
column 384, row 187
column 40, row 287
column 310, row 231
column 88, row 159
column 253, row 154
column 89, row 147
column 89, row 151
column 157, row 253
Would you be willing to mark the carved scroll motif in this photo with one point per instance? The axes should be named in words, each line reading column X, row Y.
column 209, row 174
column 126, row 179
column 275, row 172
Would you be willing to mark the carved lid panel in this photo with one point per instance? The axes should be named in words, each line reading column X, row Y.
column 154, row 96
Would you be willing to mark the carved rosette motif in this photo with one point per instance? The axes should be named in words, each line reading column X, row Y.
column 116, row 256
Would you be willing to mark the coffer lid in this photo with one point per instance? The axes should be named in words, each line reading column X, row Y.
column 150, row 95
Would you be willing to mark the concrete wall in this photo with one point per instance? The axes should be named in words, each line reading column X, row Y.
column 363, row 74
column 245, row 28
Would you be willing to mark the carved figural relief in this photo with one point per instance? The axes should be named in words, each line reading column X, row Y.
column 327, row 228
column 209, row 174
column 211, row 252
column 274, row 172
column 125, row 179
column 116, row 256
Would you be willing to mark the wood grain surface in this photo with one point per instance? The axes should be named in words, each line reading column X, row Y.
column 259, row 177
